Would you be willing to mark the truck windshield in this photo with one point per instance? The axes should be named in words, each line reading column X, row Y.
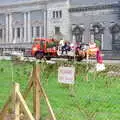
column 51, row 44
column 36, row 42
column 39, row 43
column 42, row 43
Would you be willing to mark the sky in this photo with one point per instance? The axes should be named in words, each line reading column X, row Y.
column 2, row 2
column 92, row 2
column 75, row 2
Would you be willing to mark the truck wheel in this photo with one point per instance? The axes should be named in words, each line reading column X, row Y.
column 39, row 55
column 48, row 58
column 70, row 58
column 79, row 58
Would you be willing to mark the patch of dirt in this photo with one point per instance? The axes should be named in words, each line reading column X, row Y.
column 8, row 117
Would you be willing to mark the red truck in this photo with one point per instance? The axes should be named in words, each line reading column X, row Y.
column 43, row 47
column 49, row 48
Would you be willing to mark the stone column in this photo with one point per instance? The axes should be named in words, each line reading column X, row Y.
column 25, row 27
column 7, row 28
column 45, row 23
column 15, row 35
column 83, row 38
column 73, row 39
column 29, row 27
column 34, row 32
column 40, row 32
column 21, row 35
column 92, row 37
column 3, row 35
column 10, row 29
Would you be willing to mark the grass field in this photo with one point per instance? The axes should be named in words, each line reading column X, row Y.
column 95, row 96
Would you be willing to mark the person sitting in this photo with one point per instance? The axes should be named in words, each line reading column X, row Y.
column 65, row 48
column 61, row 44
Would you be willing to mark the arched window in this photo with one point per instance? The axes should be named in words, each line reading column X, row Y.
column 78, row 33
column 97, row 31
column 115, row 32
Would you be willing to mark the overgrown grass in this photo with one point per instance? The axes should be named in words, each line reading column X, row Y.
column 95, row 96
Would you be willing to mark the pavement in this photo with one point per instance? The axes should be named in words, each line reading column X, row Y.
column 52, row 61
column 5, row 57
column 104, row 61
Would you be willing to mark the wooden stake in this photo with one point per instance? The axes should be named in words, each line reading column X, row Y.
column 41, row 91
column 24, row 105
column 4, row 110
column 36, row 93
column 16, row 102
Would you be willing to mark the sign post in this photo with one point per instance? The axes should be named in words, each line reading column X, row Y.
column 66, row 75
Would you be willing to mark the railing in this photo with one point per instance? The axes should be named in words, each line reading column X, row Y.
column 8, row 48
column 16, row 45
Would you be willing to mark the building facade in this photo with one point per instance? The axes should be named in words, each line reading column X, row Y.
column 84, row 21
column 99, row 21
column 22, row 22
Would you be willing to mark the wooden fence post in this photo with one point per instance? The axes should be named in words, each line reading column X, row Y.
column 36, row 71
column 16, row 102
column 17, row 98
column 36, row 92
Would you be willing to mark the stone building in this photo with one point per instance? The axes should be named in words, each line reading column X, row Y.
column 97, row 20
column 21, row 22
column 86, row 21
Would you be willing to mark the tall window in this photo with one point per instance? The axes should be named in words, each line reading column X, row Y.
column 18, row 32
column 78, row 33
column 1, row 33
column 32, row 31
column 53, row 14
column 97, row 31
column 60, row 13
column 4, row 32
column 57, row 14
column 13, row 33
column 37, row 31
column 97, row 34
column 57, row 30
column 115, row 32
column 23, row 32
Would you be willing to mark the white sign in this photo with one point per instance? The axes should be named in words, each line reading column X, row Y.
column 66, row 75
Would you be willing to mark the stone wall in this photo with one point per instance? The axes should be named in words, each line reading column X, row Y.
column 106, row 17
column 62, row 22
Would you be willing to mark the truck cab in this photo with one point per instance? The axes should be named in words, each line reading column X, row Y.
column 43, row 47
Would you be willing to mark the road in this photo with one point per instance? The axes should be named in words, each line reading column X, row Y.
column 104, row 61
column 61, row 59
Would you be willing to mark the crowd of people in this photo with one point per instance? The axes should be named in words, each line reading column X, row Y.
column 66, row 46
